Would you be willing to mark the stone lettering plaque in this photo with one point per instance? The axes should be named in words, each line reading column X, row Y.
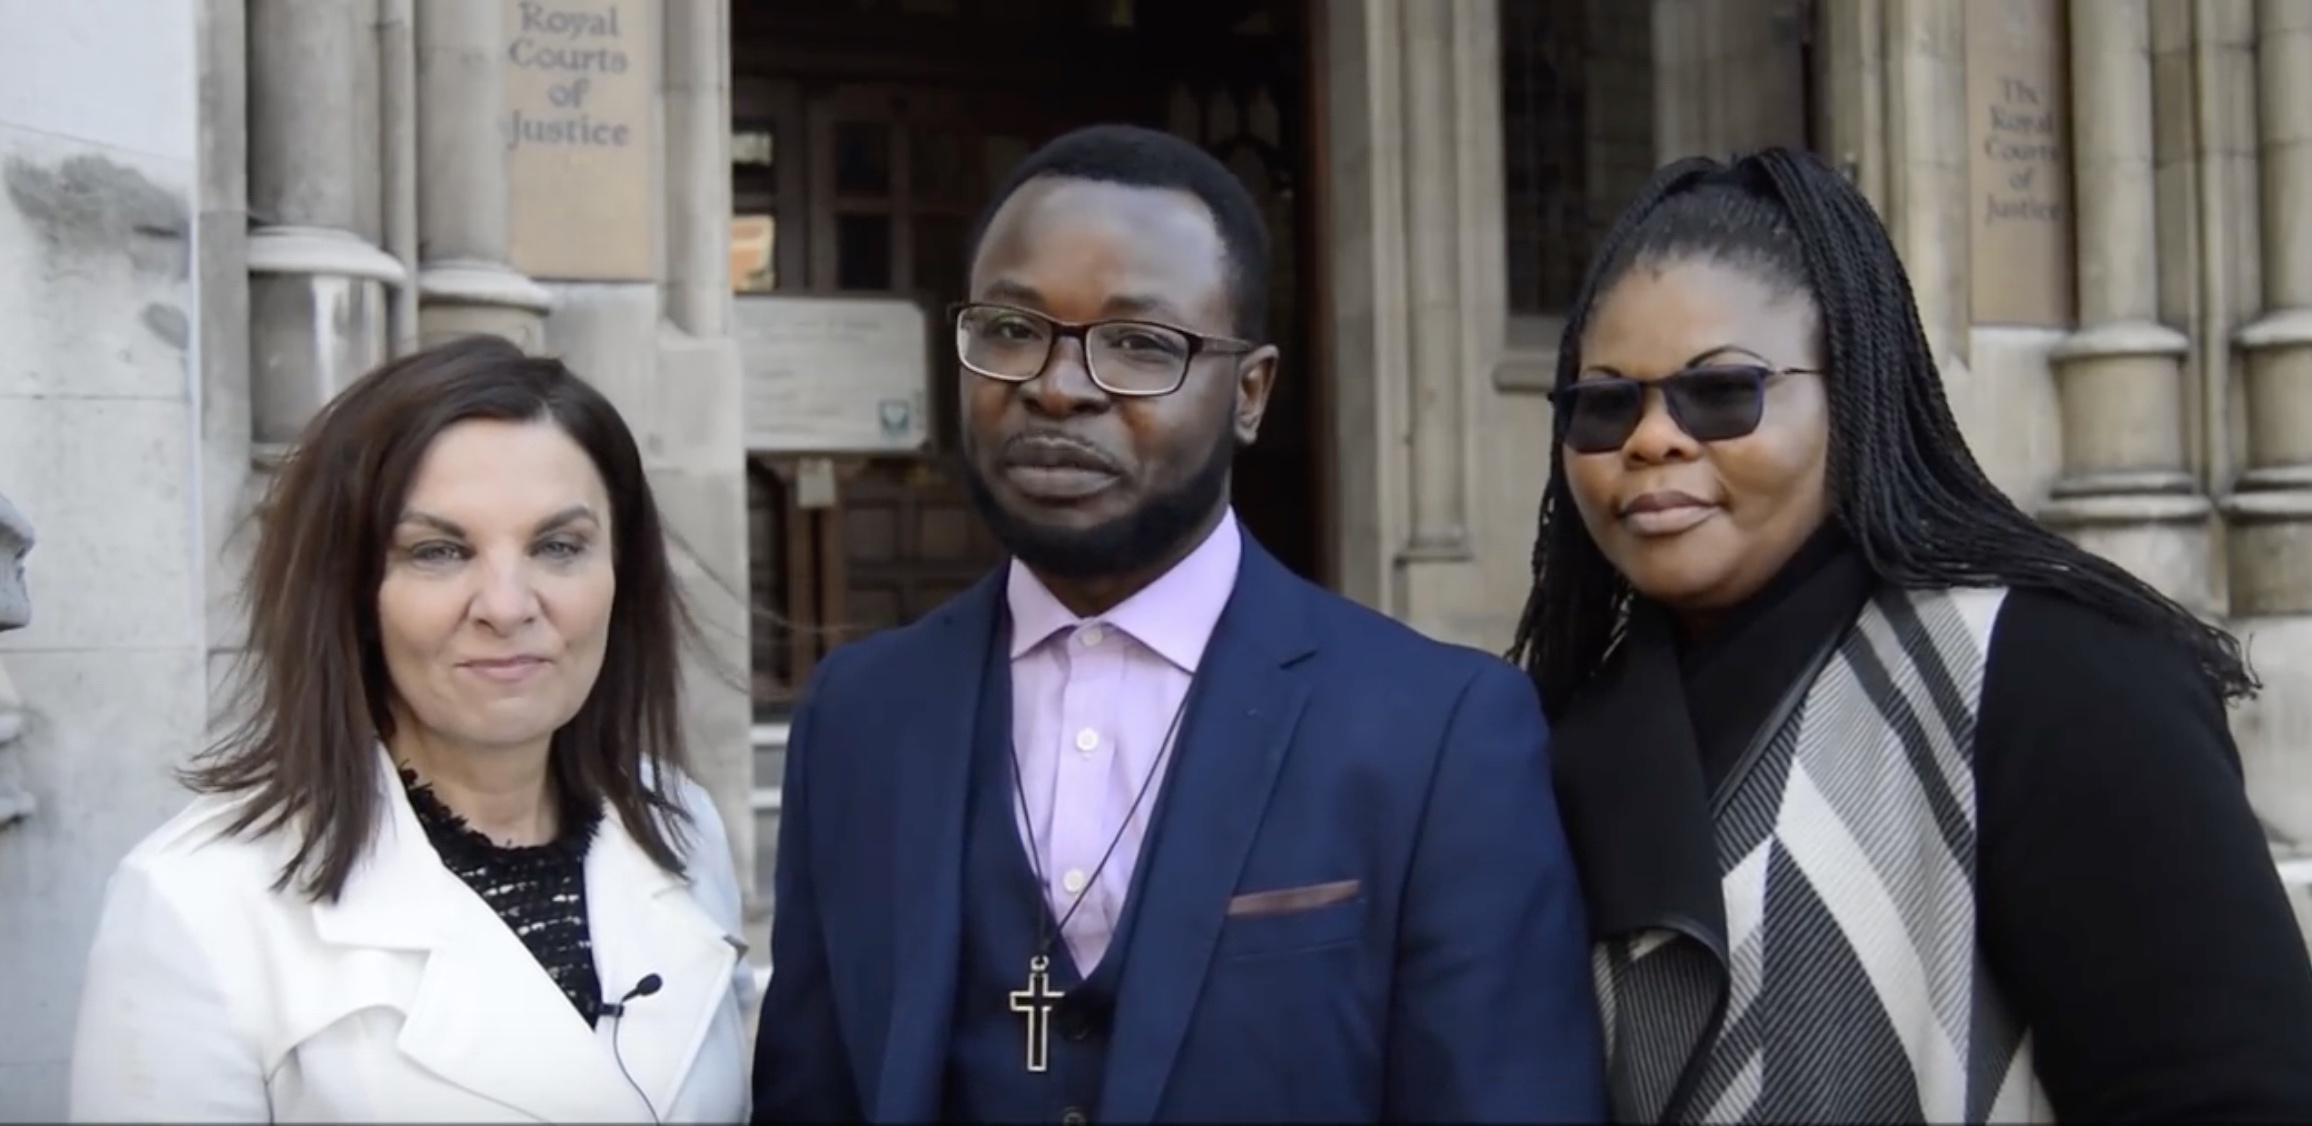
column 581, row 97
column 2019, row 162
column 834, row 375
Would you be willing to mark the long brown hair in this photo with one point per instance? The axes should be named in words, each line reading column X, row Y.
column 314, row 695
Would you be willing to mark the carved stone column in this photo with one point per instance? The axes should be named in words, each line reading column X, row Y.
column 1420, row 346
column 16, row 803
column 1440, row 481
column 2271, row 512
column 2126, row 490
column 318, row 281
column 697, row 460
column 15, row 613
column 1925, row 138
column 15, row 544
column 465, row 285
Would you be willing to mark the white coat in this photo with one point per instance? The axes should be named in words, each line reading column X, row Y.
column 211, row 997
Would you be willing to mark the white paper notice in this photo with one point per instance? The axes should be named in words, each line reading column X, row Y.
column 834, row 375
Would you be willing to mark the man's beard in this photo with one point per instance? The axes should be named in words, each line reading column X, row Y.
column 1152, row 532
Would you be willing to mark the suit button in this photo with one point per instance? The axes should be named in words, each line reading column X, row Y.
column 1075, row 1024
column 1073, row 1117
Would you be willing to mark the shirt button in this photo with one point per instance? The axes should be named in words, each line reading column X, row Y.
column 1074, row 881
column 1087, row 740
column 1091, row 635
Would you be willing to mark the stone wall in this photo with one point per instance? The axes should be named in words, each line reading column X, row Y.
column 1431, row 373
column 100, row 446
column 332, row 180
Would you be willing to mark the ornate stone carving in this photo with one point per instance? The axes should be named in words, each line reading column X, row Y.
column 15, row 613
column 15, row 542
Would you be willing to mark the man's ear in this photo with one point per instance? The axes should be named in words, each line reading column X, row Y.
column 1255, row 378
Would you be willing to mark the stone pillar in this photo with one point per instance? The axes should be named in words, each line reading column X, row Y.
column 1925, row 145
column 2271, row 511
column 1440, row 482
column 228, row 483
column 1854, row 47
column 2126, row 490
column 698, row 461
column 1424, row 365
column 465, row 285
column 317, row 288
column 698, row 129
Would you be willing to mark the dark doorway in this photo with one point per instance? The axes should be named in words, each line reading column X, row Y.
column 867, row 134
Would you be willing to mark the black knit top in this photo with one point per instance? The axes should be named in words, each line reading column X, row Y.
column 539, row 890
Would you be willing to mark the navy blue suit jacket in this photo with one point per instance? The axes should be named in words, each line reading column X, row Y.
column 1323, row 742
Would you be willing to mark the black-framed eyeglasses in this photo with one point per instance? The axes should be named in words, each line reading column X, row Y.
column 1711, row 404
column 1129, row 359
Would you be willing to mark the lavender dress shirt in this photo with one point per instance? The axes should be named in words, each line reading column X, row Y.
column 1092, row 700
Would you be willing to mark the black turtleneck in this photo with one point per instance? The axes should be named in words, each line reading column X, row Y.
column 1736, row 675
column 2127, row 899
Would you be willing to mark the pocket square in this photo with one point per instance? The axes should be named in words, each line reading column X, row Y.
column 1285, row 901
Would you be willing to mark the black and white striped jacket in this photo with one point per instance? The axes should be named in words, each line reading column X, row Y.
column 1839, row 978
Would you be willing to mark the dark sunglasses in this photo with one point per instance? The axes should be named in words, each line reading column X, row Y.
column 1711, row 404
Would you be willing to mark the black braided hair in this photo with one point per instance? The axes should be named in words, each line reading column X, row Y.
column 1902, row 482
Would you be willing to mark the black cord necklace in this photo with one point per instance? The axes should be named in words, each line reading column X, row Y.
column 1037, row 1000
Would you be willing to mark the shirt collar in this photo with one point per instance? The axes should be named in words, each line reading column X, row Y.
column 1175, row 615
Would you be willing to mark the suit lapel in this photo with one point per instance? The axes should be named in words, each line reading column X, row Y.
column 1246, row 702
column 932, row 776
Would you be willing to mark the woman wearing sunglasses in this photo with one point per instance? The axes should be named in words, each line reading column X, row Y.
column 1889, row 803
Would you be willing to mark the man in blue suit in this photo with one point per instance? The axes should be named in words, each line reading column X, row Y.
column 1144, row 827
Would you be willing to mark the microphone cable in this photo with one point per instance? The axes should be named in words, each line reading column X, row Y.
column 649, row 984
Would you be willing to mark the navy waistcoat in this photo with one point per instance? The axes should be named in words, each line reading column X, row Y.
column 987, row 1078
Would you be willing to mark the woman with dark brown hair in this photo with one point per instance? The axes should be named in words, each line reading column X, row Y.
column 448, row 867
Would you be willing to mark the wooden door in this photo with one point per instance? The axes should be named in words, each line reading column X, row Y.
column 1245, row 98
column 892, row 177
